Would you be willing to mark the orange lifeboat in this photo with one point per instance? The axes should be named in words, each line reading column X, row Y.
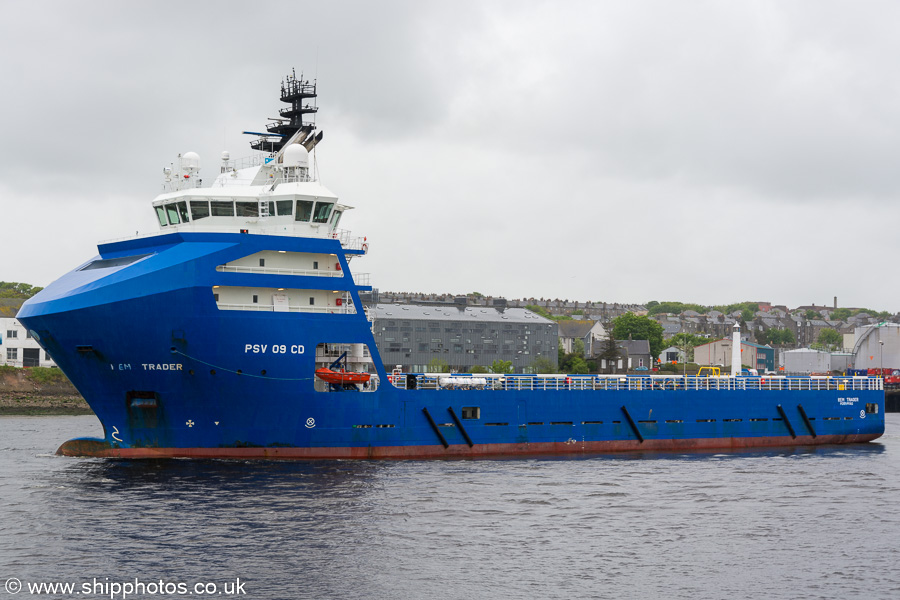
column 341, row 377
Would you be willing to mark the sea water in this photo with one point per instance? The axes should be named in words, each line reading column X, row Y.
column 781, row 523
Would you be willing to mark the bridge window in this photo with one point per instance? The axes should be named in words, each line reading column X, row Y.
column 304, row 210
column 285, row 207
column 182, row 210
column 172, row 212
column 247, row 209
column 323, row 211
column 161, row 215
column 221, row 208
column 336, row 218
column 199, row 209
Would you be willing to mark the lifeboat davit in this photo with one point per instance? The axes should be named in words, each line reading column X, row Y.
column 341, row 377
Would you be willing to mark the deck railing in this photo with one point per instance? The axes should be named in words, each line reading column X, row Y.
column 279, row 271
column 338, row 310
column 435, row 381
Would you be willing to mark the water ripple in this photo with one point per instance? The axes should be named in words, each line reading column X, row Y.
column 808, row 523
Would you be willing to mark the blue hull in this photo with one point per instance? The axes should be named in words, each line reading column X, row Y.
column 170, row 374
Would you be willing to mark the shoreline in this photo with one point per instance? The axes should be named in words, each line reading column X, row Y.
column 24, row 404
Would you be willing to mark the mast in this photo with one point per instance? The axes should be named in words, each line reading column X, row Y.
column 294, row 92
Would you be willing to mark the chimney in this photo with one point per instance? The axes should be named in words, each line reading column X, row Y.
column 835, row 302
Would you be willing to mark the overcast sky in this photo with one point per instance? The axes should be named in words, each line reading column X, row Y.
column 708, row 152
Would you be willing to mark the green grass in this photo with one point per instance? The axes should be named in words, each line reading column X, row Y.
column 46, row 375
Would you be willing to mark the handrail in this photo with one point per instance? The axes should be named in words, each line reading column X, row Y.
column 644, row 383
column 278, row 271
column 338, row 310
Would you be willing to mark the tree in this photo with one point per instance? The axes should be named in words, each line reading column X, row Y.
column 840, row 314
column 438, row 365
column 478, row 369
column 542, row 364
column 578, row 366
column 831, row 338
column 501, row 366
column 780, row 337
column 578, row 347
column 674, row 307
column 634, row 327
column 810, row 314
column 747, row 315
column 12, row 289
column 741, row 306
column 610, row 353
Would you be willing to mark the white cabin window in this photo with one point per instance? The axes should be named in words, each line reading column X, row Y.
column 247, row 209
column 315, row 265
column 336, row 218
column 285, row 207
column 304, row 210
column 222, row 208
column 312, row 301
column 255, row 299
column 161, row 215
column 199, row 209
column 262, row 262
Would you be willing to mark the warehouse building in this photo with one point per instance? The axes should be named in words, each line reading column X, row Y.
column 417, row 337
column 753, row 356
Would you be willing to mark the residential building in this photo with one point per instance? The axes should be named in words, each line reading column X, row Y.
column 633, row 354
column 18, row 347
column 592, row 333
column 672, row 354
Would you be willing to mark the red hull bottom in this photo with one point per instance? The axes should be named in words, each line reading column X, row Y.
column 99, row 449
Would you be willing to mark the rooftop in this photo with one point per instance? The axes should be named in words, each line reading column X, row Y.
column 450, row 312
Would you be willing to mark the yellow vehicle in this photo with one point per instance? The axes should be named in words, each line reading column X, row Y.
column 709, row 372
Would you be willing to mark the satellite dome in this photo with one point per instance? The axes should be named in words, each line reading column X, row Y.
column 296, row 155
column 190, row 161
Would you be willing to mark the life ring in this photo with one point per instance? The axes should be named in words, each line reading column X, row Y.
column 365, row 248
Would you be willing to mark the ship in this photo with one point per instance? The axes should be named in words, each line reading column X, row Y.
column 237, row 330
